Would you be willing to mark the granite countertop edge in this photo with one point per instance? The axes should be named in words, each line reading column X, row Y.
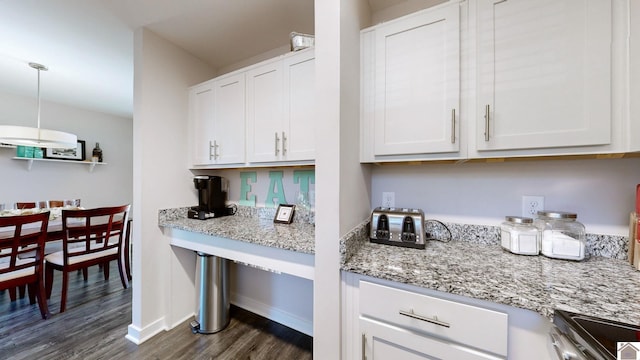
column 605, row 287
column 472, row 264
column 250, row 225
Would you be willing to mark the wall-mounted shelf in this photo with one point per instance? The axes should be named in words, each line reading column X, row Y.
column 30, row 161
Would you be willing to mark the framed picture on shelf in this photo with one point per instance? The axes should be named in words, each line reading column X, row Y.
column 284, row 214
column 67, row 154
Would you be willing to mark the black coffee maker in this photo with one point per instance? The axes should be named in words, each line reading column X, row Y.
column 212, row 197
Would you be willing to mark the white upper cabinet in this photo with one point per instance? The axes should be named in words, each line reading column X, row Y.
column 201, row 123
column 217, row 124
column 544, row 72
column 299, row 104
column 500, row 78
column 229, row 120
column 280, row 109
column 265, row 112
column 411, row 84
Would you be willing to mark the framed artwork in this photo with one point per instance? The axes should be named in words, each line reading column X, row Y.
column 67, row 154
column 284, row 214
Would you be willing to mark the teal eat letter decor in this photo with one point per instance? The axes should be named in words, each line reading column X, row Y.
column 276, row 190
column 245, row 188
column 304, row 178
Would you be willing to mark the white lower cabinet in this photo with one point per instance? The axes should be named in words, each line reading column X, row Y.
column 396, row 321
column 389, row 320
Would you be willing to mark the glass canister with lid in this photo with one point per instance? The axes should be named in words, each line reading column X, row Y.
column 519, row 235
column 562, row 236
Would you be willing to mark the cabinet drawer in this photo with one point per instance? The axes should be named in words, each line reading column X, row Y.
column 465, row 324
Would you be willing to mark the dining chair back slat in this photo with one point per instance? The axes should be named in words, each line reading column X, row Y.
column 25, row 205
column 90, row 237
column 56, row 203
column 19, row 235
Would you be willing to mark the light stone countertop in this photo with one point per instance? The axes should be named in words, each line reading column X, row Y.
column 255, row 228
column 602, row 287
column 475, row 265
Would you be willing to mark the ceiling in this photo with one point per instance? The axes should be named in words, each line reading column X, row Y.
column 88, row 44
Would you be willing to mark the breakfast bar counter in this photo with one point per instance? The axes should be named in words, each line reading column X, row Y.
column 249, row 237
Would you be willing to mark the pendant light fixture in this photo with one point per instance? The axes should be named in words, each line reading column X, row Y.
column 37, row 137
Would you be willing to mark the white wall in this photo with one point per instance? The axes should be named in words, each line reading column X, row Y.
column 600, row 191
column 109, row 184
column 163, row 72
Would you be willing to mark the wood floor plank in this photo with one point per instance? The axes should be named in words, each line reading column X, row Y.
column 95, row 324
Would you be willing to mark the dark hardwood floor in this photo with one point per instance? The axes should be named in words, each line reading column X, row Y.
column 95, row 324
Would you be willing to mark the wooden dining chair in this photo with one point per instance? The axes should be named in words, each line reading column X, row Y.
column 127, row 249
column 56, row 203
column 18, row 235
column 90, row 237
column 25, row 205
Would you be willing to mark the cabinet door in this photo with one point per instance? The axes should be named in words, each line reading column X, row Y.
column 299, row 107
column 382, row 341
column 229, row 120
column 264, row 112
column 201, row 123
column 417, row 83
column 544, row 74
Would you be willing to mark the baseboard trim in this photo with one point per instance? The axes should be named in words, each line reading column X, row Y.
column 139, row 335
column 295, row 322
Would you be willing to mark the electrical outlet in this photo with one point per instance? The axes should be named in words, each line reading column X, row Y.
column 531, row 205
column 388, row 199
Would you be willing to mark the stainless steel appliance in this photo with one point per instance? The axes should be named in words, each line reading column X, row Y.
column 577, row 336
column 398, row 227
column 212, row 197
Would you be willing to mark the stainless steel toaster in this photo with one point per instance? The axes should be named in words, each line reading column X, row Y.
column 398, row 227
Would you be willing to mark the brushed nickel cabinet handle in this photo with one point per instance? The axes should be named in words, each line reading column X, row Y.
column 453, row 126
column 364, row 346
column 486, row 122
column 433, row 320
column 215, row 150
column 284, row 144
column 277, row 141
column 211, row 146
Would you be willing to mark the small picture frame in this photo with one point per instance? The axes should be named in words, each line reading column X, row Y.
column 284, row 214
column 67, row 154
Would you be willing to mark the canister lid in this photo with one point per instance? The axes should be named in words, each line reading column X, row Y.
column 557, row 214
column 519, row 219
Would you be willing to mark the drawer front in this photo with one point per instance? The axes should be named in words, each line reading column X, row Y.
column 384, row 342
column 465, row 324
